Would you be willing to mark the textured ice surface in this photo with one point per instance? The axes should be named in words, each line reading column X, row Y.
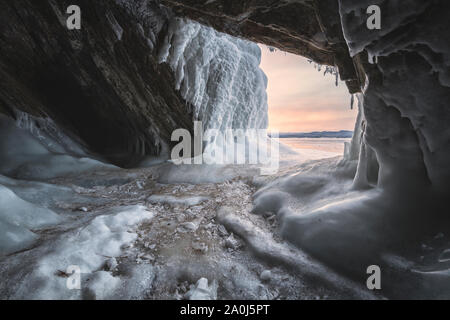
column 88, row 247
column 406, row 113
column 18, row 218
column 218, row 74
column 34, row 148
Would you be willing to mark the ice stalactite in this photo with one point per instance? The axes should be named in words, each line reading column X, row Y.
column 218, row 74
column 358, row 149
column 353, row 147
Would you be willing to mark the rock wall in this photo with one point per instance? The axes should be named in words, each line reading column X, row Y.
column 102, row 84
column 305, row 27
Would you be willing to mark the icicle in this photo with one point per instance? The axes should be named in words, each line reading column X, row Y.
column 373, row 59
column 331, row 70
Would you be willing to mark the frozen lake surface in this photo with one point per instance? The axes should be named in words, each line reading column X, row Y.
column 333, row 146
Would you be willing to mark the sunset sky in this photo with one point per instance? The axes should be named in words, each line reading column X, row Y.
column 301, row 99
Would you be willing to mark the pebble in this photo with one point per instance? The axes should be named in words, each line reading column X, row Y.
column 266, row 275
column 200, row 246
column 111, row 264
column 188, row 226
column 222, row 230
column 231, row 243
column 148, row 257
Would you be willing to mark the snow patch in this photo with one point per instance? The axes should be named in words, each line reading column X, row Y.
column 90, row 248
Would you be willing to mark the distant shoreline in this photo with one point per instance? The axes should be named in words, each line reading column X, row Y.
column 317, row 134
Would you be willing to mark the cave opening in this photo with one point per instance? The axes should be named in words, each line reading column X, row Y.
column 308, row 104
column 140, row 70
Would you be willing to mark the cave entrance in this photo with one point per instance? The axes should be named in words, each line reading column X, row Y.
column 308, row 105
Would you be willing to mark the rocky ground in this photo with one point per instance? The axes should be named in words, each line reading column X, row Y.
column 199, row 231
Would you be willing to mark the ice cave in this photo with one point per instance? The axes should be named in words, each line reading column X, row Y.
column 88, row 187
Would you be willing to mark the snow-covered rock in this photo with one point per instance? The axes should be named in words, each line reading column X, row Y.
column 266, row 275
column 100, row 285
column 18, row 218
column 231, row 243
column 202, row 291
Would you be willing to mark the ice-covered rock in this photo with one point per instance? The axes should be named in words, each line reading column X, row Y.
column 407, row 128
column 188, row 227
column 269, row 202
column 111, row 264
column 202, row 291
column 266, row 275
column 200, row 246
column 18, row 218
column 90, row 248
column 404, row 126
column 232, row 243
column 218, row 74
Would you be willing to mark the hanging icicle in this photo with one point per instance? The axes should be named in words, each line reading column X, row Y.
column 331, row 70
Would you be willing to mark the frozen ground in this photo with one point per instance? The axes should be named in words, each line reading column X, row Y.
column 162, row 232
column 180, row 232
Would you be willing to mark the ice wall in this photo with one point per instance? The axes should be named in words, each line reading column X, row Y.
column 405, row 120
column 407, row 91
column 218, row 74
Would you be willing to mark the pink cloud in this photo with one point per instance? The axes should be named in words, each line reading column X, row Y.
column 301, row 98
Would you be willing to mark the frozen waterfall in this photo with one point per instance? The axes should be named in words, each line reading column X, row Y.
column 218, row 74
